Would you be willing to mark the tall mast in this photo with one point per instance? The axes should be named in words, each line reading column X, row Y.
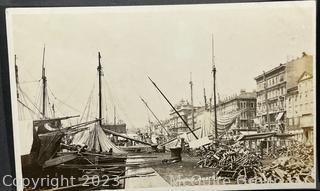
column 191, row 91
column 114, row 115
column 44, row 84
column 214, row 92
column 99, row 68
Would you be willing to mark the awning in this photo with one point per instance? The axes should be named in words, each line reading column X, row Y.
column 280, row 115
column 248, row 132
column 308, row 127
column 284, row 135
column 256, row 136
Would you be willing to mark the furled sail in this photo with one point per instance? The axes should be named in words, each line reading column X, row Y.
column 44, row 146
column 205, row 128
column 96, row 140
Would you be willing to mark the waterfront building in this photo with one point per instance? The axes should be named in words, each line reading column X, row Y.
column 292, row 113
column 306, row 98
column 271, row 90
column 274, row 89
column 176, row 125
column 245, row 101
column 300, row 100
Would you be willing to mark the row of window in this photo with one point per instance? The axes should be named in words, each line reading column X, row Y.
column 294, row 98
column 293, row 121
column 303, row 108
column 232, row 107
column 272, row 94
column 245, row 104
column 246, row 115
column 271, row 82
column 306, row 85
column 271, row 105
column 228, row 107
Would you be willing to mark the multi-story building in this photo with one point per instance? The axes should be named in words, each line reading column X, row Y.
column 245, row 101
column 306, row 98
column 300, row 100
column 274, row 90
column 176, row 125
column 271, row 90
column 292, row 113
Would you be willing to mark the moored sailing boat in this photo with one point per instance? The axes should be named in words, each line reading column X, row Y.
column 89, row 153
column 48, row 132
column 97, row 155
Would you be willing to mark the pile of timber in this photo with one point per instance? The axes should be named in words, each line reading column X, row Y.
column 295, row 165
column 287, row 170
column 298, row 149
column 231, row 160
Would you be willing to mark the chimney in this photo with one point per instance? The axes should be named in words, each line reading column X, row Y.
column 304, row 54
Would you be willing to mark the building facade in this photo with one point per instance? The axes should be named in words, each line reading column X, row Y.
column 271, row 91
column 176, row 125
column 278, row 95
column 306, row 98
column 300, row 108
column 245, row 101
column 292, row 110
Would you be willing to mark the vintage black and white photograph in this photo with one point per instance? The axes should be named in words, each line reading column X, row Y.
column 210, row 96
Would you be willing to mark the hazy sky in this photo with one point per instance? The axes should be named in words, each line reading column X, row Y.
column 164, row 42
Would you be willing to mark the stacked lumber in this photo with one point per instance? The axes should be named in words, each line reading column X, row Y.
column 287, row 170
column 295, row 165
column 232, row 161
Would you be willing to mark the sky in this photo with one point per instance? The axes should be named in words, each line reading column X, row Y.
column 167, row 43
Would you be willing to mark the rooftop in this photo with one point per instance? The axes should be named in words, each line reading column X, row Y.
column 243, row 95
column 281, row 66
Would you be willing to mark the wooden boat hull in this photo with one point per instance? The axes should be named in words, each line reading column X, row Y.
column 81, row 169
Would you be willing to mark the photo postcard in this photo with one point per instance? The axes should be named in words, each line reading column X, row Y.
column 168, row 97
